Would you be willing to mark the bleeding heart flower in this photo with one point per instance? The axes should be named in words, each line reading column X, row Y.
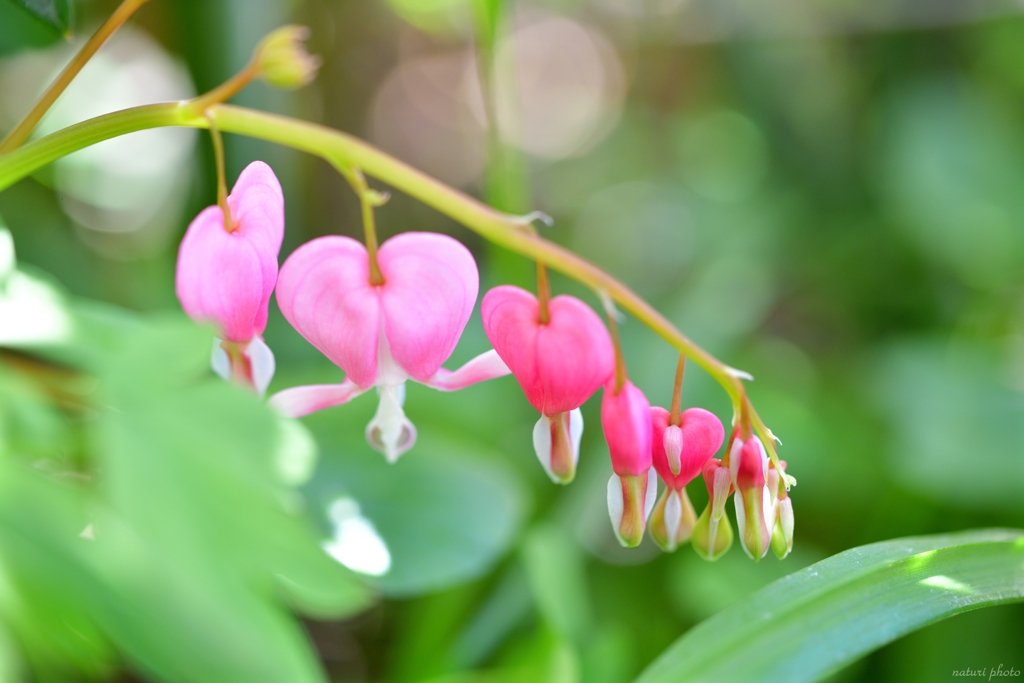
column 559, row 364
column 782, row 531
column 382, row 335
column 626, row 419
column 226, row 278
column 679, row 453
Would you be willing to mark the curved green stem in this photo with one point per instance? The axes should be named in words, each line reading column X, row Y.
column 21, row 132
column 345, row 151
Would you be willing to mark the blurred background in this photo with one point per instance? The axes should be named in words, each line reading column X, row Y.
column 825, row 194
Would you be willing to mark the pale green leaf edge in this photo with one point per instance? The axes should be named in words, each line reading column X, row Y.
column 817, row 620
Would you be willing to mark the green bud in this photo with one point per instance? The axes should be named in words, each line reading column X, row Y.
column 282, row 60
column 711, row 538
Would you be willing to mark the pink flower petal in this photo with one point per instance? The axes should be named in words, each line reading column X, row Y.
column 626, row 420
column 430, row 287
column 324, row 292
column 559, row 365
column 487, row 365
column 299, row 401
column 702, row 436
column 257, row 207
column 219, row 277
column 227, row 278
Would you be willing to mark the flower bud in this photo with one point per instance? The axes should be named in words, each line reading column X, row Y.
column 782, row 531
column 673, row 519
column 712, row 534
column 753, row 500
column 626, row 420
column 282, row 60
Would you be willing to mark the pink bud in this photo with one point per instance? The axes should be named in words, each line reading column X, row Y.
column 626, row 419
column 382, row 335
column 559, row 364
column 679, row 452
column 753, row 500
column 226, row 278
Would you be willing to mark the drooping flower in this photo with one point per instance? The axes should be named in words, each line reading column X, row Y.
column 679, row 453
column 382, row 335
column 755, row 503
column 712, row 535
column 626, row 420
column 226, row 277
column 559, row 363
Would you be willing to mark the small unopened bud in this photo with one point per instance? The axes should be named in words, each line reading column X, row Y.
column 672, row 520
column 753, row 501
column 712, row 534
column 282, row 60
column 630, row 499
column 782, row 531
column 711, row 537
column 556, row 440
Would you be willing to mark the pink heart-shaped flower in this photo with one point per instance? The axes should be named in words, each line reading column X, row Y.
column 679, row 452
column 559, row 364
column 626, row 420
column 227, row 277
column 430, row 287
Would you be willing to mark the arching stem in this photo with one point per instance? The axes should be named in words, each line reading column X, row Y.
column 24, row 129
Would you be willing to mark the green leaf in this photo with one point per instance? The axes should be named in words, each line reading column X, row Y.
column 18, row 30
column 55, row 14
column 817, row 620
column 445, row 512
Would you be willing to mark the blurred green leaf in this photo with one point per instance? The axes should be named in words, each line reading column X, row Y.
column 445, row 512
column 821, row 618
column 19, row 30
column 55, row 14
column 947, row 403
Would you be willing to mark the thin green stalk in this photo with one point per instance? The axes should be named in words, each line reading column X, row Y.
column 346, row 151
column 25, row 127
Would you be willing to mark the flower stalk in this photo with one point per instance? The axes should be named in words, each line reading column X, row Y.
column 343, row 150
column 24, row 129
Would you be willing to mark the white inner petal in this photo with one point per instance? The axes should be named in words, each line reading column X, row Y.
column 673, row 442
column 390, row 431
column 261, row 360
column 542, row 444
column 615, row 504
column 673, row 516
column 219, row 361
column 651, row 495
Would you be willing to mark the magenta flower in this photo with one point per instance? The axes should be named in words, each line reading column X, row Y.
column 226, row 278
column 559, row 364
column 382, row 335
column 754, row 501
column 679, row 453
column 626, row 419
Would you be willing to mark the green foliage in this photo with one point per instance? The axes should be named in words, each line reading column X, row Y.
column 55, row 15
column 815, row 621
column 170, row 536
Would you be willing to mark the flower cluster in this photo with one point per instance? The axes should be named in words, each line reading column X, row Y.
column 391, row 315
